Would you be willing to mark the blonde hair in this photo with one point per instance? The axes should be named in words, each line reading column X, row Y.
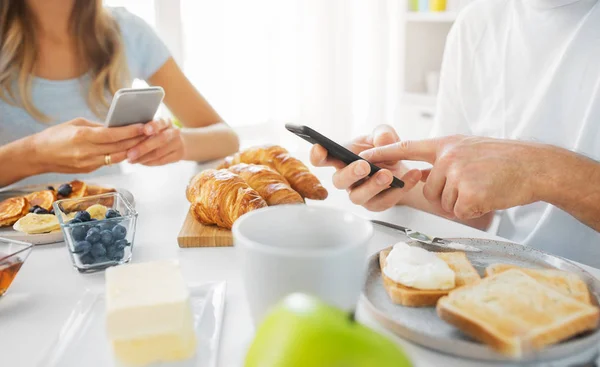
column 99, row 47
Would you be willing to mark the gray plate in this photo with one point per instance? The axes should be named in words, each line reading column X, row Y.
column 424, row 327
column 42, row 238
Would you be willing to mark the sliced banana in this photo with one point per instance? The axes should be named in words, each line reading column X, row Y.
column 97, row 211
column 37, row 223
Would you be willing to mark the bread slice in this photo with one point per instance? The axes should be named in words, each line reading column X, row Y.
column 565, row 282
column 412, row 297
column 515, row 314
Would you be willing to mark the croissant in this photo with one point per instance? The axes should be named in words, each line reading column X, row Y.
column 268, row 183
column 279, row 159
column 220, row 197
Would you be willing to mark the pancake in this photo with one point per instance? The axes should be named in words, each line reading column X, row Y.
column 11, row 210
column 80, row 189
column 43, row 198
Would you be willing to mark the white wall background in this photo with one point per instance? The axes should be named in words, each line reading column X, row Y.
column 332, row 64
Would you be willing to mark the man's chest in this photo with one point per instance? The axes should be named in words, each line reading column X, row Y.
column 549, row 94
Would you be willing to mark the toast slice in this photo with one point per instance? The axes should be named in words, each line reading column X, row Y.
column 564, row 282
column 12, row 209
column 515, row 314
column 412, row 297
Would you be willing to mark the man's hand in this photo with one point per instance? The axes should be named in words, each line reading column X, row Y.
column 472, row 176
column 374, row 193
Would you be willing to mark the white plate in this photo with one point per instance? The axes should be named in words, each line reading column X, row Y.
column 46, row 238
column 83, row 341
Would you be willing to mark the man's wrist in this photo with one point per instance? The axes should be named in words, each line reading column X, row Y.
column 563, row 176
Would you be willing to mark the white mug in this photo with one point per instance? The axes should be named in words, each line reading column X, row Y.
column 298, row 248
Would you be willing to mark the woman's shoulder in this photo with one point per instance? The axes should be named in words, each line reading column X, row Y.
column 131, row 25
column 144, row 49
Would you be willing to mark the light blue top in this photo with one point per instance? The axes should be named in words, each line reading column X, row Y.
column 64, row 100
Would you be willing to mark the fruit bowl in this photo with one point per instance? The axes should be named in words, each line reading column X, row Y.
column 99, row 230
column 12, row 256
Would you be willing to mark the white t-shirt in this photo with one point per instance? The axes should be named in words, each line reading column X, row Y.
column 528, row 70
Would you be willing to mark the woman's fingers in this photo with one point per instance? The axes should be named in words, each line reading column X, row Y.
column 156, row 154
column 346, row 177
column 154, row 142
column 105, row 135
column 120, row 146
column 169, row 158
column 156, row 126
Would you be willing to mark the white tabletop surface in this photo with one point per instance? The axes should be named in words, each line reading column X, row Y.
column 47, row 288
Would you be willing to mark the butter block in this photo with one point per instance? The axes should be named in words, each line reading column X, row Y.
column 148, row 313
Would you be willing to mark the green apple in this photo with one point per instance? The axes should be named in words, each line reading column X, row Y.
column 302, row 331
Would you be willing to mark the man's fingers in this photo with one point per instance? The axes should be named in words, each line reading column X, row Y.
column 412, row 150
column 384, row 135
column 434, row 186
column 390, row 197
column 103, row 135
column 319, row 158
column 348, row 176
column 371, row 187
column 449, row 197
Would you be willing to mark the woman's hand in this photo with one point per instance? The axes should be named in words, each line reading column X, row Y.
column 374, row 193
column 163, row 145
column 81, row 146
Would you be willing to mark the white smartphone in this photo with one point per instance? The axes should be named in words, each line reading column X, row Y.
column 134, row 105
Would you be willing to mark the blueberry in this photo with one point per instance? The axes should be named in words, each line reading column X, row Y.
column 121, row 244
column 106, row 237
column 33, row 208
column 93, row 235
column 65, row 190
column 41, row 211
column 79, row 233
column 117, row 254
column 119, row 232
column 106, row 226
column 51, row 211
column 83, row 216
column 73, row 221
column 93, row 220
column 98, row 250
column 50, row 188
column 86, row 259
column 112, row 213
column 82, row 247
column 101, row 259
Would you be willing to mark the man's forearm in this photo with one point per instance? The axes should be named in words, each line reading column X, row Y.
column 17, row 161
column 571, row 182
column 208, row 143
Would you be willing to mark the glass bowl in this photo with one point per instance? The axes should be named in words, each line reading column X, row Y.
column 102, row 241
column 12, row 256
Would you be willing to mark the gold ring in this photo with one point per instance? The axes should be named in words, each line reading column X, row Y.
column 107, row 159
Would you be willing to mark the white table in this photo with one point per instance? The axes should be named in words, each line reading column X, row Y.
column 46, row 289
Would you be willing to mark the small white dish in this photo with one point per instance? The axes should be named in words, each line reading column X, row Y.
column 83, row 341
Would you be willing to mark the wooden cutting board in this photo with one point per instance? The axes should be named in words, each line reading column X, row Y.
column 196, row 234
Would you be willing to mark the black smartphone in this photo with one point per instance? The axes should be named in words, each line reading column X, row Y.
column 337, row 151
